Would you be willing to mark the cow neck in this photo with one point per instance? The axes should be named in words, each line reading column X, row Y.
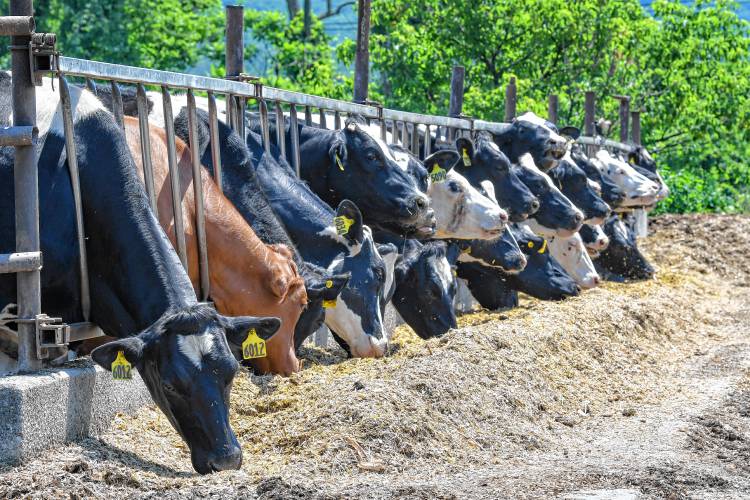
column 315, row 146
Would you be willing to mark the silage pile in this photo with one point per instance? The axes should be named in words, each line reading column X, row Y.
column 499, row 386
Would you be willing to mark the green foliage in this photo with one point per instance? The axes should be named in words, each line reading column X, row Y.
column 164, row 34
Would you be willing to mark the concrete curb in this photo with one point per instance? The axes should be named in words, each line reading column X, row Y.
column 53, row 407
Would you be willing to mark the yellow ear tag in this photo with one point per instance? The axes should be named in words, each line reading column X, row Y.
column 329, row 304
column 342, row 223
column 338, row 162
column 329, row 284
column 467, row 160
column 437, row 174
column 455, row 274
column 544, row 246
column 632, row 160
column 467, row 250
column 253, row 346
column 121, row 367
column 530, row 244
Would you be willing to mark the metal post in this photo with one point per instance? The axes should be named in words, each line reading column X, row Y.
column 457, row 95
column 117, row 105
column 427, row 141
column 264, row 127
column 590, row 116
column 624, row 117
column 200, row 217
column 234, row 41
column 294, row 133
column 143, row 127
column 510, row 99
column 26, row 185
column 280, row 126
column 552, row 108
column 308, row 116
column 322, row 118
column 636, row 131
column 362, row 57
column 213, row 127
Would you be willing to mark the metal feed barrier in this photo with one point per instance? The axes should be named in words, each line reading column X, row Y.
column 34, row 54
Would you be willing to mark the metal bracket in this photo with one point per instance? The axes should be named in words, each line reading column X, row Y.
column 42, row 55
column 50, row 333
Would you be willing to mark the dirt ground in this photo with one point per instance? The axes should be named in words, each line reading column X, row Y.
column 637, row 390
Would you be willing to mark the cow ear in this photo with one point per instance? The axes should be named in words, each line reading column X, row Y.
column 238, row 328
column 445, row 159
column 337, row 151
column 465, row 150
column 348, row 222
column 131, row 347
column 326, row 287
column 571, row 132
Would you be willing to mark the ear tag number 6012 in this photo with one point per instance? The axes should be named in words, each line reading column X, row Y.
column 121, row 367
column 253, row 346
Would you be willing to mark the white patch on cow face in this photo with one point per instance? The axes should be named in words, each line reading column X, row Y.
column 601, row 240
column 370, row 132
column 638, row 189
column 352, row 249
column 462, row 212
column 494, row 146
column 445, row 273
column 348, row 325
column 195, row 347
column 540, row 122
column 489, row 189
column 401, row 158
column 572, row 255
column 536, row 228
column 49, row 110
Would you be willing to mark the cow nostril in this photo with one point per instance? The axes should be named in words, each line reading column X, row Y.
column 421, row 203
column 534, row 206
column 579, row 217
column 503, row 217
column 596, row 280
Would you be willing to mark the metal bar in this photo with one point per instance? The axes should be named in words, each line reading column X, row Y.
column 117, row 105
column 404, row 135
column 174, row 178
column 240, row 116
column 553, row 107
column 200, row 213
column 600, row 142
column 443, row 121
column 301, row 99
column 590, row 116
column 427, row 141
column 280, row 127
column 383, row 130
column 511, row 94
column 234, row 41
column 636, row 131
column 264, row 127
column 16, row 136
column 322, row 118
column 17, row 25
column 415, row 139
column 362, row 55
column 213, row 126
column 145, row 135
column 72, row 160
column 624, row 117
column 20, row 262
column 337, row 120
column 231, row 111
column 91, row 85
column 308, row 116
column 294, row 132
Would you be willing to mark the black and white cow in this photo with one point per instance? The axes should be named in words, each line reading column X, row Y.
column 579, row 189
column 355, row 164
column 639, row 190
column 502, row 253
column 139, row 291
column 529, row 133
column 643, row 162
column 622, row 260
column 241, row 186
column 557, row 216
column 610, row 192
column 594, row 239
column 486, row 167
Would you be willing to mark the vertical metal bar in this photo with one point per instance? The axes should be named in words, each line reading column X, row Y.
column 457, row 91
column 143, row 127
column 174, row 178
column 200, row 214
column 280, row 129
column 308, row 116
column 294, row 132
column 415, row 139
column 75, row 182
column 590, row 112
column 230, row 101
column 624, row 118
column 553, row 107
column 636, row 130
column 264, row 125
column 427, row 141
column 322, row 116
column 511, row 92
column 26, row 187
column 117, row 104
column 91, row 85
column 234, row 41
column 337, row 120
column 404, row 135
column 213, row 126
column 383, row 130
column 240, row 116
column 362, row 55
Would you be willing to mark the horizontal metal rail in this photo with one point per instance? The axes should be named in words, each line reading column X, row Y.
column 300, row 99
column 20, row 262
column 16, row 136
column 606, row 143
column 443, row 121
column 17, row 25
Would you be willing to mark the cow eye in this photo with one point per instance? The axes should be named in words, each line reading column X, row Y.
column 455, row 188
column 371, row 156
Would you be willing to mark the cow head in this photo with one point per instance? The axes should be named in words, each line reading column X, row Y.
column 557, row 216
column 363, row 169
column 529, row 133
column 585, row 194
column 486, row 167
column 501, row 253
column 323, row 287
column 357, row 317
column 610, row 192
column 639, row 190
column 622, row 259
column 187, row 364
column 543, row 277
column 489, row 286
column 572, row 255
column 594, row 239
column 426, row 288
column 645, row 165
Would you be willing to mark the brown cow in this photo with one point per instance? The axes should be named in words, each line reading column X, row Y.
column 247, row 276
